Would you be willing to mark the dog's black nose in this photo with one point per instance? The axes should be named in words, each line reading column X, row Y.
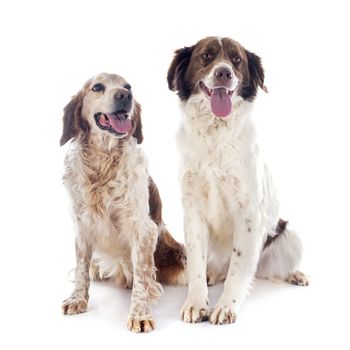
column 223, row 75
column 123, row 99
column 123, row 95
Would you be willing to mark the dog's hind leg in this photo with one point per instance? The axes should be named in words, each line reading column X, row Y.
column 281, row 255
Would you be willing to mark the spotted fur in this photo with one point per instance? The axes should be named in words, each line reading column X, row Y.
column 230, row 205
column 117, row 208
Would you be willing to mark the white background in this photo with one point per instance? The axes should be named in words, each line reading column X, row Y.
column 49, row 48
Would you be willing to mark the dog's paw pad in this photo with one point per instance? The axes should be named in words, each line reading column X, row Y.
column 74, row 305
column 194, row 314
column 222, row 315
column 141, row 325
column 298, row 278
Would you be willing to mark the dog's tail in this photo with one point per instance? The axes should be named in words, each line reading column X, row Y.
column 170, row 259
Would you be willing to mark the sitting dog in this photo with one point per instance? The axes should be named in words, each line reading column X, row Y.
column 117, row 208
column 231, row 222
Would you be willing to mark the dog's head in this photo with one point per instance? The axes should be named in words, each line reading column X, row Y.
column 105, row 105
column 218, row 70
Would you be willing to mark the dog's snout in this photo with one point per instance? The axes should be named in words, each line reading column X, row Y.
column 223, row 75
column 123, row 99
column 123, row 95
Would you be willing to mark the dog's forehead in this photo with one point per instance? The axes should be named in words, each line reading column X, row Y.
column 218, row 43
column 210, row 41
column 232, row 45
column 108, row 80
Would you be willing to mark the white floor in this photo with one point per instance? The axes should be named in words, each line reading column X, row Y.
column 274, row 316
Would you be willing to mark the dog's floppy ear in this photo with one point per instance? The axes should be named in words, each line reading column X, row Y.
column 177, row 71
column 137, row 124
column 70, row 119
column 73, row 123
column 256, row 75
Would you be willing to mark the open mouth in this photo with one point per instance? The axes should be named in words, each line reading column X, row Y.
column 220, row 99
column 116, row 123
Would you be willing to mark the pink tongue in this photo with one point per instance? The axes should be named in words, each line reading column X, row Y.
column 220, row 102
column 119, row 124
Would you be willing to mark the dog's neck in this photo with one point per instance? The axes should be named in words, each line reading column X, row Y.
column 103, row 151
column 106, row 144
column 199, row 119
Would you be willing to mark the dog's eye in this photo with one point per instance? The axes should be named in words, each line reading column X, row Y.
column 237, row 59
column 98, row 87
column 127, row 86
column 205, row 55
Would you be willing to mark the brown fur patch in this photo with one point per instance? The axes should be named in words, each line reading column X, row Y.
column 280, row 228
column 170, row 259
column 137, row 124
column 73, row 123
column 177, row 71
column 155, row 203
column 192, row 64
column 170, row 256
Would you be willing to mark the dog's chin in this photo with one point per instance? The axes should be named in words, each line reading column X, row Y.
column 117, row 124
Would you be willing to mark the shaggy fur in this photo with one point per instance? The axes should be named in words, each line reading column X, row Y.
column 230, row 206
column 117, row 208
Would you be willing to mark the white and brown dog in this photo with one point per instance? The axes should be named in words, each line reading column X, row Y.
column 117, row 208
column 232, row 226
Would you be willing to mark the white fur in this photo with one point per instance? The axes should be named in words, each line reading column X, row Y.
column 118, row 252
column 209, row 80
column 279, row 260
column 230, row 207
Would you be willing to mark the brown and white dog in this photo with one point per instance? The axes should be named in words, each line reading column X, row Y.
column 232, row 226
column 117, row 208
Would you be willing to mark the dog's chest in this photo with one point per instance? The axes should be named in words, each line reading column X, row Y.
column 226, row 175
column 109, row 193
column 223, row 201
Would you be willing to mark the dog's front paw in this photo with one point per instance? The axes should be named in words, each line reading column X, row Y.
column 298, row 278
column 74, row 305
column 141, row 325
column 193, row 312
column 222, row 314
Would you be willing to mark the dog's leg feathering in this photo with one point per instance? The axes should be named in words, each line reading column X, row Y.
column 145, row 288
column 77, row 302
